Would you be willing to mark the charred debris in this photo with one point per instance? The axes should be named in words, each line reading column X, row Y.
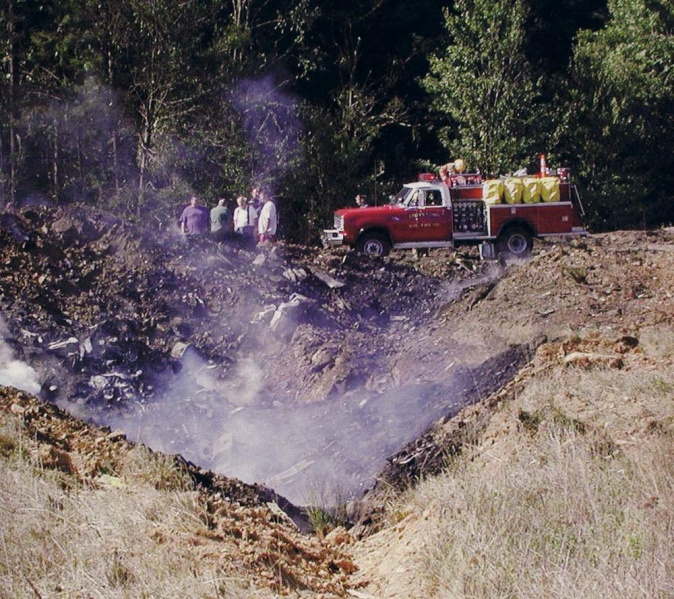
column 104, row 310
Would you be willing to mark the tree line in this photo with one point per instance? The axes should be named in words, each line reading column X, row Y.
column 131, row 106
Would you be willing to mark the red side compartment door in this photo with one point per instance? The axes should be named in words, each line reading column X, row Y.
column 545, row 219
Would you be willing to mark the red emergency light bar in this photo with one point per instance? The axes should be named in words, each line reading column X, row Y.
column 427, row 177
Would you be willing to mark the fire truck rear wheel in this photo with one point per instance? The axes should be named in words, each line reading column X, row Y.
column 516, row 242
column 373, row 244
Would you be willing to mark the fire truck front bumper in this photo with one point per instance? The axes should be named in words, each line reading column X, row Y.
column 332, row 238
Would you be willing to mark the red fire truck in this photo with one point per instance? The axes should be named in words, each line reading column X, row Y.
column 502, row 216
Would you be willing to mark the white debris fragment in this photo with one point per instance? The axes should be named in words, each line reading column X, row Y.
column 264, row 314
column 60, row 344
column 98, row 382
column 86, row 347
column 295, row 300
column 295, row 274
column 178, row 350
column 327, row 279
column 259, row 260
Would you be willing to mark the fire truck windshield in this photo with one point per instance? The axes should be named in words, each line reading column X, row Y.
column 407, row 196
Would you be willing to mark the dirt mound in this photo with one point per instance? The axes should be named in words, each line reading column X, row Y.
column 113, row 317
column 84, row 294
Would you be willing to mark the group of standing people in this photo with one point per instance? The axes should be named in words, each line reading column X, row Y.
column 253, row 220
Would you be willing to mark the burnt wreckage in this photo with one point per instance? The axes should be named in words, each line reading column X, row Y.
column 106, row 313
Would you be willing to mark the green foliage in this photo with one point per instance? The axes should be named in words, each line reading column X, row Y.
column 620, row 119
column 334, row 162
column 485, row 85
column 324, row 177
column 85, row 141
column 118, row 102
column 133, row 105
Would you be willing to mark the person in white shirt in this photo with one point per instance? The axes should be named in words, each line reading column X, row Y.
column 268, row 220
column 245, row 219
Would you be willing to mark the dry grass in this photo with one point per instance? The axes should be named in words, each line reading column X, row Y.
column 557, row 521
column 59, row 538
column 569, row 495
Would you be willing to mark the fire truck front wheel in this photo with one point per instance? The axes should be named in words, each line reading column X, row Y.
column 373, row 244
column 515, row 242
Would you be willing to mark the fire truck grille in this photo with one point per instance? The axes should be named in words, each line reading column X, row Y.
column 339, row 222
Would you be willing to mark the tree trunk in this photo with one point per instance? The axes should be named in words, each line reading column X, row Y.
column 11, row 31
column 54, row 170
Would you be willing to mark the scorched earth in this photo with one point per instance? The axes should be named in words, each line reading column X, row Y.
column 319, row 375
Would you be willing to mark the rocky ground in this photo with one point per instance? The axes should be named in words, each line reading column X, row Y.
column 114, row 320
column 99, row 295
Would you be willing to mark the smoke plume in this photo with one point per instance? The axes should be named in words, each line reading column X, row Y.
column 13, row 372
column 333, row 448
column 272, row 127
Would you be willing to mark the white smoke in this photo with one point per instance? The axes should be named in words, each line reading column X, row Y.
column 453, row 290
column 234, row 427
column 333, row 449
column 13, row 372
column 228, row 420
column 271, row 124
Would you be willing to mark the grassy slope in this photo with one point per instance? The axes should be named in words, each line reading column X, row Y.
column 568, row 490
column 84, row 513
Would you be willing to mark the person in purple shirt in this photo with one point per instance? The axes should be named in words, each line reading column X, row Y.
column 194, row 219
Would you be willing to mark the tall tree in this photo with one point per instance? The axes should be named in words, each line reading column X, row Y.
column 171, row 60
column 484, row 84
column 350, row 65
column 18, row 83
column 552, row 26
column 9, row 63
column 54, row 56
column 620, row 120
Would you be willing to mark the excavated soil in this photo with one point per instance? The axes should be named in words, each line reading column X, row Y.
column 369, row 359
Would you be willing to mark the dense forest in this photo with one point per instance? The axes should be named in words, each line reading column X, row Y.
column 131, row 106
